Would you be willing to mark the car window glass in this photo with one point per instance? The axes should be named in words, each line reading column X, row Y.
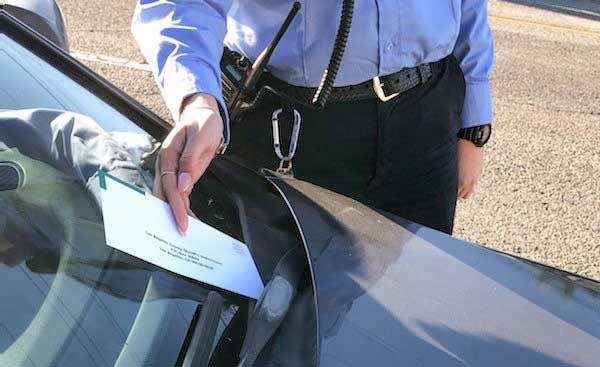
column 67, row 299
column 30, row 82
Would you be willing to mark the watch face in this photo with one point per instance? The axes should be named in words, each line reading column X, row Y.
column 483, row 135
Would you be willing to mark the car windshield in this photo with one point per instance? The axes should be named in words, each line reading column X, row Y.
column 67, row 298
column 30, row 82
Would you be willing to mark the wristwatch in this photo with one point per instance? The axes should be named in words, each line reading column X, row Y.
column 479, row 135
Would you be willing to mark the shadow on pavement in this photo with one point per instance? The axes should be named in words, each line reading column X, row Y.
column 588, row 9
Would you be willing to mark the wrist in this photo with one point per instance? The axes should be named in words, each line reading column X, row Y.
column 204, row 107
column 478, row 135
column 468, row 143
column 199, row 101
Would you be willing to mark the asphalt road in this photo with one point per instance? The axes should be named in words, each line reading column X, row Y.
column 539, row 196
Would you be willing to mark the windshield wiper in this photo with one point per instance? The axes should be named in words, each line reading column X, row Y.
column 204, row 327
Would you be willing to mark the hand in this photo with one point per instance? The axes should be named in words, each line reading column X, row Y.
column 470, row 165
column 186, row 153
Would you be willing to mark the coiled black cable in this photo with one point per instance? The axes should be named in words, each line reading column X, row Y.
column 339, row 47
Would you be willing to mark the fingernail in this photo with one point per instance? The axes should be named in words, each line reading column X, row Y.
column 184, row 183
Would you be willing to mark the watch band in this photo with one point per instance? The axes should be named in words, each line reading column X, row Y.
column 478, row 135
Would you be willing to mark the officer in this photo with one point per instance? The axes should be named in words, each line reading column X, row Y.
column 403, row 130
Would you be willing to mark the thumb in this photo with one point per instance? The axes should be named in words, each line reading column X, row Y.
column 188, row 167
column 184, row 182
column 192, row 164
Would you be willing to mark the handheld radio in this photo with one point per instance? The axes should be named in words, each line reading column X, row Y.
column 240, row 76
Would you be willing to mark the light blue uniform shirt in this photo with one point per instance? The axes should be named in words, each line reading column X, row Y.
column 183, row 42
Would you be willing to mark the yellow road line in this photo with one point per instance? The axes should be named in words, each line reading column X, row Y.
column 544, row 25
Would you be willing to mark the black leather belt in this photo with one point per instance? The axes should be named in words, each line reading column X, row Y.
column 383, row 87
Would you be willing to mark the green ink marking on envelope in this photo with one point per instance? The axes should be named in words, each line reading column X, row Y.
column 102, row 175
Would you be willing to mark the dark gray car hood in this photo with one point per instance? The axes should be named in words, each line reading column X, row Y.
column 392, row 293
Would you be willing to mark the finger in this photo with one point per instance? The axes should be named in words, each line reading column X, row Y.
column 187, row 179
column 201, row 166
column 186, row 202
column 471, row 190
column 174, row 198
column 192, row 214
column 467, row 192
column 188, row 163
column 461, row 191
column 169, row 162
column 191, row 168
column 184, row 182
column 168, row 157
column 195, row 158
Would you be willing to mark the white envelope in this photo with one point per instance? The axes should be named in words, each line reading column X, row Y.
column 143, row 226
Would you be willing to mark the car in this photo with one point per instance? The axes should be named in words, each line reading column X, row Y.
column 345, row 284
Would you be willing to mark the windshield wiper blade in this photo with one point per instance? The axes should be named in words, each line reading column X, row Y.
column 198, row 351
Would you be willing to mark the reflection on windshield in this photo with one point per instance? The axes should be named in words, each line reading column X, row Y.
column 30, row 82
column 67, row 298
column 58, row 278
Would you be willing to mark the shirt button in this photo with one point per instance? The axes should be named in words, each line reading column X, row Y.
column 389, row 47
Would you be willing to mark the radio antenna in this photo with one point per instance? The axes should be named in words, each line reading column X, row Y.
column 263, row 59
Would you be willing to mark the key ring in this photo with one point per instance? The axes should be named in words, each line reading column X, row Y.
column 285, row 164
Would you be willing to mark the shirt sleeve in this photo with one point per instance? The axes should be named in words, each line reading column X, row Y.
column 182, row 40
column 475, row 52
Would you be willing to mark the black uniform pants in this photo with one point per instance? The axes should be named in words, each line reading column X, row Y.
column 399, row 156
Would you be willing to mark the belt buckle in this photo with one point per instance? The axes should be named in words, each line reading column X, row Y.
column 378, row 88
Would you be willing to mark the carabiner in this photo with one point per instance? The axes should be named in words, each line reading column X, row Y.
column 285, row 164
